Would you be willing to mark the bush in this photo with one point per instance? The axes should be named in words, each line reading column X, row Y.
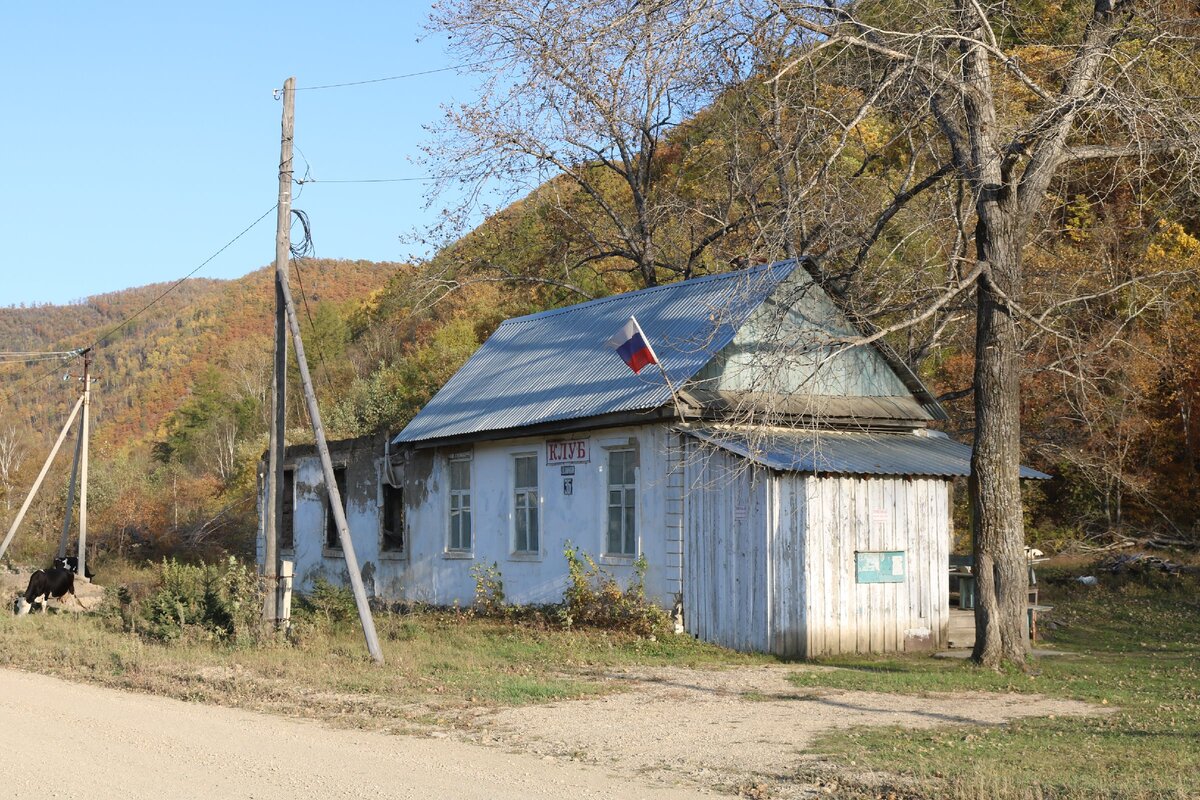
column 489, row 590
column 595, row 598
column 221, row 601
column 334, row 603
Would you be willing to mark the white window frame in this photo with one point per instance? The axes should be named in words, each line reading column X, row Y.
column 621, row 556
column 455, row 506
column 531, row 511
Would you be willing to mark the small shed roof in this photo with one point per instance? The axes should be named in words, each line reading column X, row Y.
column 850, row 453
column 555, row 365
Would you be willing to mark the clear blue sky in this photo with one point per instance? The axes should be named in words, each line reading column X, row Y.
column 137, row 138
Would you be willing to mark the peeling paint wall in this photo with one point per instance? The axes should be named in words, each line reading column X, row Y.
column 429, row 572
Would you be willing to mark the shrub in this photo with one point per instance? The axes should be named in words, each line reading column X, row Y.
column 334, row 603
column 489, row 590
column 594, row 597
column 221, row 601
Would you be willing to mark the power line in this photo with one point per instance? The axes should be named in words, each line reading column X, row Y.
column 128, row 320
column 394, row 77
column 303, row 181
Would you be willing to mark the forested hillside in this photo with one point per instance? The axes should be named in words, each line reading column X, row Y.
column 179, row 403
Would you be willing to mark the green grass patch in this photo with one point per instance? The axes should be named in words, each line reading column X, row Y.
column 436, row 662
column 1137, row 646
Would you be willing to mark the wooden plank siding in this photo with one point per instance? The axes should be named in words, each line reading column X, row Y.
column 725, row 591
column 769, row 558
column 848, row 514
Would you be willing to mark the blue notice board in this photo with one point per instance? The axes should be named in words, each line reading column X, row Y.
column 879, row 566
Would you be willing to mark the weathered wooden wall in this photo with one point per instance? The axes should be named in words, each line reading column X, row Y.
column 769, row 559
column 846, row 514
column 725, row 593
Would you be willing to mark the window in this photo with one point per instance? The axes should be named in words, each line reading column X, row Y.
column 525, row 503
column 332, row 540
column 287, row 530
column 460, row 503
column 622, row 502
column 394, row 524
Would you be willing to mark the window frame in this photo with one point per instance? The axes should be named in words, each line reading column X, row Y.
column 453, row 512
column 622, row 556
column 287, row 516
column 531, row 512
column 331, row 544
column 389, row 494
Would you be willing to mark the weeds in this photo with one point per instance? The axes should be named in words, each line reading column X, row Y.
column 219, row 602
column 595, row 598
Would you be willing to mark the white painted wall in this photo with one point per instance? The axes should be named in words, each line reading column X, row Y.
column 429, row 572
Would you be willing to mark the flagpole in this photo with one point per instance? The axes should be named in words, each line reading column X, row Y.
column 662, row 369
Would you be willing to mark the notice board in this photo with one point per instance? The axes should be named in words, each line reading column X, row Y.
column 879, row 566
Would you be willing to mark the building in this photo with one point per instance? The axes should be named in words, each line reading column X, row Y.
column 788, row 493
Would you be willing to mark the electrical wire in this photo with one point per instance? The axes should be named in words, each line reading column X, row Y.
column 303, row 181
column 129, row 320
column 65, row 355
column 398, row 77
column 299, row 252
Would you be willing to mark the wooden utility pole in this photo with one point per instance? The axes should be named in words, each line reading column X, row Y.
column 66, row 530
column 37, row 484
column 83, row 465
column 274, row 504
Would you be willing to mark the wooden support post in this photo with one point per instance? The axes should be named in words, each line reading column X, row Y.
column 83, row 466
column 37, row 484
column 286, row 569
column 274, row 505
column 66, row 530
column 335, row 498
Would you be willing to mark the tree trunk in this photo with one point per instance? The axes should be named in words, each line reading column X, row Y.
column 1001, row 572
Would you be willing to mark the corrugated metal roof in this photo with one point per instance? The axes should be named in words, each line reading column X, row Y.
column 555, row 365
column 850, row 453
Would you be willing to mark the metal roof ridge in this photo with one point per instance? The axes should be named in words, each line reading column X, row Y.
column 716, row 276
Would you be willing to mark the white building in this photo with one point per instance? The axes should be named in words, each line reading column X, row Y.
column 792, row 501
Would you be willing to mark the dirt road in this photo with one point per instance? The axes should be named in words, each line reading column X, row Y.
column 66, row 740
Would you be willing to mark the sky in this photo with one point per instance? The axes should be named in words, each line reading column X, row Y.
column 136, row 139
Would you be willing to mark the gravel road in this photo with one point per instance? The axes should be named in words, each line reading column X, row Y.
column 66, row 740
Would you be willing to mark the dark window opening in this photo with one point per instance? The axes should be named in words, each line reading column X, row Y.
column 332, row 540
column 287, row 531
column 394, row 529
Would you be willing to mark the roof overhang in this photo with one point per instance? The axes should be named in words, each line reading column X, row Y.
column 921, row 453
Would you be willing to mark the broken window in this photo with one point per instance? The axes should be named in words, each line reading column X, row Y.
column 332, row 540
column 394, row 526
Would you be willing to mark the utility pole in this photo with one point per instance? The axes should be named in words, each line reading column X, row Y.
column 83, row 463
column 66, row 530
column 283, row 219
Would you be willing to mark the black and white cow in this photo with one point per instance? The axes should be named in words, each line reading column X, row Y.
column 72, row 563
column 56, row 583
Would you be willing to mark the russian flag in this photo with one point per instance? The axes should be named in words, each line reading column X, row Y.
column 632, row 346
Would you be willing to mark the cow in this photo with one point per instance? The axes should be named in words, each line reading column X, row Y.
column 56, row 583
column 72, row 563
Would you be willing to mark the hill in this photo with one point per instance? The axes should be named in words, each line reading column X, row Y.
column 181, row 393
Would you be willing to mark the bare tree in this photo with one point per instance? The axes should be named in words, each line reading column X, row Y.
column 12, row 456
column 1012, row 109
column 587, row 94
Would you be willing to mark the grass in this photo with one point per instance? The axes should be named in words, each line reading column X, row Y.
column 1138, row 645
column 438, row 664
